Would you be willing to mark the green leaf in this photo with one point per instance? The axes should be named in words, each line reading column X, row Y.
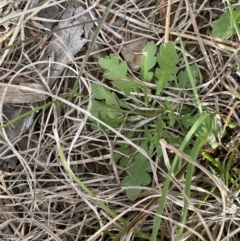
column 111, row 120
column 137, row 173
column 106, row 113
column 106, row 106
column 183, row 77
column 208, row 131
column 123, row 159
column 114, row 69
column 167, row 59
column 127, row 85
column 148, row 61
column 224, row 27
column 157, row 133
column 124, row 162
column 98, row 107
column 131, row 181
column 167, row 105
column 187, row 120
column 111, row 111
column 170, row 138
column 102, row 93
column 140, row 164
column 117, row 72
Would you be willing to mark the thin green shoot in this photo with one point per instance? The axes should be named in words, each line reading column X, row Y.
column 199, row 106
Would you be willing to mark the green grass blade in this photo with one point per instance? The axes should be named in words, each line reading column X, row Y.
column 157, row 219
column 199, row 106
column 26, row 114
column 224, row 171
column 189, row 173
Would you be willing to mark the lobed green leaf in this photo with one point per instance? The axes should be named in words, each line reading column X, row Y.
column 148, row 61
column 167, row 59
column 114, row 68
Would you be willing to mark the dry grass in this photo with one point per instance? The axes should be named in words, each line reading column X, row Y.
column 39, row 201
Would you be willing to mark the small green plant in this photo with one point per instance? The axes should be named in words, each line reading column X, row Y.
column 127, row 105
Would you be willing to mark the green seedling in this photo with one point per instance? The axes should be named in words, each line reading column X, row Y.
column 123, row 106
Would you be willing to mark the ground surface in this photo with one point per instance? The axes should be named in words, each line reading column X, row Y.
column 74, row 138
